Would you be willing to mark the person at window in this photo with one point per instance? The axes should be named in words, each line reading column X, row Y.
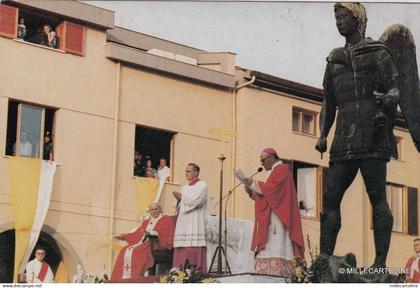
column 135, row 258
column 25, row 147
column 138, row 164
column 150, row 174
column 413, row 264
column 48, row 147
column 149, row 168
column 37, row 270
column 48, row 37
column 190, row 237
column 21, row 32
column 163, row 171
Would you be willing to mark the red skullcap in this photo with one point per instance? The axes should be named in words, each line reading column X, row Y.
column 271, row 151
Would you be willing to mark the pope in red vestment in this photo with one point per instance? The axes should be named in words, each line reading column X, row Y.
column 277, row 235
column 135, row 258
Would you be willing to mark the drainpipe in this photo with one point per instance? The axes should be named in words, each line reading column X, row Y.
column 234, row 120
column 114, row 165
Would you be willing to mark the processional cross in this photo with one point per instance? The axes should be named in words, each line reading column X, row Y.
column 223, row 134
column 220, row 251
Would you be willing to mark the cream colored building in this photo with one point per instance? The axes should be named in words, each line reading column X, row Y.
column 104, row 82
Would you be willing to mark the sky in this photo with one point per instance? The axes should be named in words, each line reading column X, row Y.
column 286, row 39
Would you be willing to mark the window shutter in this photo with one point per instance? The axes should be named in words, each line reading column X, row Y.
column 8, row 21
column 71, row 37
column 412, row 199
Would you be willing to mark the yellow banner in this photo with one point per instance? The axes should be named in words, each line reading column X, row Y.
column 62, row 276
column 147, row 189
column 24, row 180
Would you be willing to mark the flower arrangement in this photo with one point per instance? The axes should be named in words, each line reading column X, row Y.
column 305, row 273
column 89, row 278
column 188, row 274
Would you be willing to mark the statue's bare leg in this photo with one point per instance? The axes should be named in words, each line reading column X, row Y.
column 339, row 177
column 374, row 175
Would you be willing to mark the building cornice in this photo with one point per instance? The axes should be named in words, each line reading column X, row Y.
column 140, row 58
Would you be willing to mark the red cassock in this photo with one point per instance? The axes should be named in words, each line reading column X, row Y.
column 279, row 196
column 141, row 259
column 416, row 274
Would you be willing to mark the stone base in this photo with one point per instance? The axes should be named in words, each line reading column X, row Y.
column 343, row 269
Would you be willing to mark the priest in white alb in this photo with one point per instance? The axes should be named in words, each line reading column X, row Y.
column 190, row 238
column 37, row 270
column 277, row 239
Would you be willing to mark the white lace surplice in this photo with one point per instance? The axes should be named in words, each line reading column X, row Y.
column 190, row 225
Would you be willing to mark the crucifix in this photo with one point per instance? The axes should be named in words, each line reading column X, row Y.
column 220, row 250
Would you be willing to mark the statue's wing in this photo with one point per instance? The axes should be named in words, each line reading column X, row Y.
column 400, row 42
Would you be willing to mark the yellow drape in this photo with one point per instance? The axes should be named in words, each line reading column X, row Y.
column 147, row 189
column 24, row 180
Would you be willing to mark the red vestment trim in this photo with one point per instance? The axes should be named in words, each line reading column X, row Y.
column 194, row 181
column 43, row 272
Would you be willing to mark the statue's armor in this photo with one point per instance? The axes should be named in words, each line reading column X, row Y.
column 351, row 77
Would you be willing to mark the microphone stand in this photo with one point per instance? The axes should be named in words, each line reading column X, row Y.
column 228, row 270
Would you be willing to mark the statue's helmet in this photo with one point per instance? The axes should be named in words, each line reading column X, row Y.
column 358, row 11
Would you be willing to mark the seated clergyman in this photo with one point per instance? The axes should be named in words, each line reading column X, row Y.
column 135, row 258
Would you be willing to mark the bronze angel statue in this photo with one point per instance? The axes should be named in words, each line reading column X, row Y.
column 364, row 83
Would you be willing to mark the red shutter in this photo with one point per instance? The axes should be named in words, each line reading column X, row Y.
column 71, row 38
column 60, row 33
column 8, row 21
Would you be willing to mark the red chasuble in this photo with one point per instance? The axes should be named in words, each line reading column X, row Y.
column 415, row 275
column 43, row 272
column 141, row 259
column 279, row 196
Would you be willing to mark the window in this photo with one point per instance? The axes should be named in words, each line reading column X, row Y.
column 403, row 202
column 309, row 181
column 28, row 25
column 27, row 125
column 398, row 142
column 303, row 121
column 152, row 145
column 394, row 196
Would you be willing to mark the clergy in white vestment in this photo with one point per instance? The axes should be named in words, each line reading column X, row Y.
column 277, row 238
column 37, row 270
column 190, row 238
column 163, row 171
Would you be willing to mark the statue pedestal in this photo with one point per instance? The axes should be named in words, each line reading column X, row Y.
column 343, row 269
